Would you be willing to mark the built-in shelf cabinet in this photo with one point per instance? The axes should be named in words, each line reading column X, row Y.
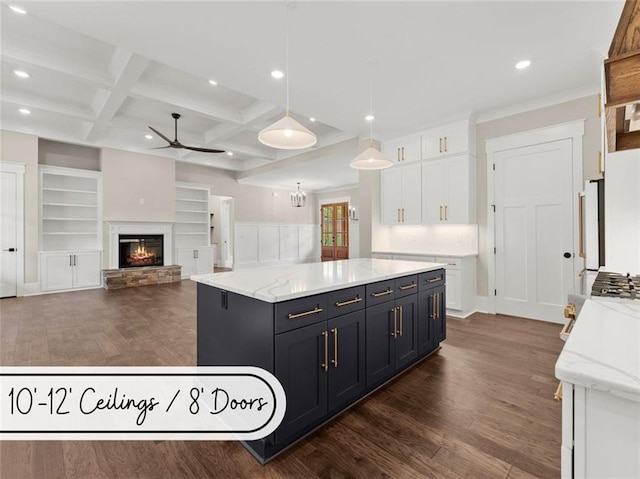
column 192, row 230
column 70, row 209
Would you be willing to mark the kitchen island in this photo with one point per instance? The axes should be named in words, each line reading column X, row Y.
column 331, row 332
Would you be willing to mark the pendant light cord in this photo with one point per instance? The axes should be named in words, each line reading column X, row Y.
column 371, row 62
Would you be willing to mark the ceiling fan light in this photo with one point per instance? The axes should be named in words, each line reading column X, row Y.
column 370, row 159
column 287, row 134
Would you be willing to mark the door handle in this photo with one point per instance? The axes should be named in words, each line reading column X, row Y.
column 10, row 250
column 567, row 254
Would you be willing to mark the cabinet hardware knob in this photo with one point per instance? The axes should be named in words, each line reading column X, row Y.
column 382, row 293
column 355, row 300
column 316, row 310
column 334, row 361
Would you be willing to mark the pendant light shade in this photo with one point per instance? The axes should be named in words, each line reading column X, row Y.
column 371, row 159
column 287, row 134
column 298, row 198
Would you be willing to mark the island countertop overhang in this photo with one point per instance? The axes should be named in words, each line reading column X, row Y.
column 278, row 283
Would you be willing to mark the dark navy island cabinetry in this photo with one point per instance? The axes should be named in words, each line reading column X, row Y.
column 328, row 350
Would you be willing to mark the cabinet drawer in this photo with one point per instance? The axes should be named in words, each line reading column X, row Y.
column 430, row 279
column 452, row 263
column 301, row 312
column 380, row 292
column 345, row 301
column 406, row 285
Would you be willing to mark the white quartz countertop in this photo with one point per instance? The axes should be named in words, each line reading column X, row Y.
column 280, row 283
column 446, row 254
column 602, row 351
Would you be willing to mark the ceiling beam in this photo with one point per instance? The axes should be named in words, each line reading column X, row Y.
column 127, row 69
column 256, row 112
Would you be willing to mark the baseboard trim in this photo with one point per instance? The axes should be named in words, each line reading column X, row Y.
column 29, row 289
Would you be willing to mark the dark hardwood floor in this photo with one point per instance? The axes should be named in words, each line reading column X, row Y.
column 481, row 407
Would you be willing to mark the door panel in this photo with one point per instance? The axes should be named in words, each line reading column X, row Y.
column 56, row 271
column 86, row 270
column 8, row 234
column 406, row 340
column 299, row 358
column 380, row 344
column 534, row 228
column 432, row 191
column 457, row 181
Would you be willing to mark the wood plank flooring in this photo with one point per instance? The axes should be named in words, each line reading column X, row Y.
column 482, row 407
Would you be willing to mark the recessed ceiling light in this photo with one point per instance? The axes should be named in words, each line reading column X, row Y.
column 523, row 64
column 17, row 9
column 213, row 82
column 369, row 117
column 312, row 119
column 24, row 111
column 149, row 137
column 21, row 74
column 229, row 153
column 277, row 74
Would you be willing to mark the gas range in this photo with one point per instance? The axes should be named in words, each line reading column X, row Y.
column 616, row 285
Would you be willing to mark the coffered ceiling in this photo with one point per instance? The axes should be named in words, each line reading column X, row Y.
column 102, row 72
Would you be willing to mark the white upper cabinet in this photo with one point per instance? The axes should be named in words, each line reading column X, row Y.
column 449, row 140
column 448, row 190
column 401, row 194
column 403, row 150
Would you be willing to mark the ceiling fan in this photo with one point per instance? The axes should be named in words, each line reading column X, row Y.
column 176, row 144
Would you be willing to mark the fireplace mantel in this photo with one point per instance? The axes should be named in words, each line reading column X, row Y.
column 116, row 228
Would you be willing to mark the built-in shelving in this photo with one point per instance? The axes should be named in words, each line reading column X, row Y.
column 70, row 209
column 191, row 228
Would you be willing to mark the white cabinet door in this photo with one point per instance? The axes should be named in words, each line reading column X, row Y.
column 411, row 194
column 403, row 150
column 203, row 261
column 448, row 140
column 433, row 190
column 86, row 269
column 391, row 195
column 186, row 259
column 56, row 271
column 454, row 289
column 457, row 204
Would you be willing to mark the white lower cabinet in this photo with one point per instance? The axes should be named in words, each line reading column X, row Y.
column 195, row 260
column 70, row 270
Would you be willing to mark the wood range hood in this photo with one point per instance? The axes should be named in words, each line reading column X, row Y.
column 622, row 82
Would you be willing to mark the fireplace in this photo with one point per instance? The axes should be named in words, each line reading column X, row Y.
column 140, row 250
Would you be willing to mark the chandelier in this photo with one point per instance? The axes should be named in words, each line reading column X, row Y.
column 298, row 198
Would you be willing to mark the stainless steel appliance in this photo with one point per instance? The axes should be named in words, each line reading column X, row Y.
column 616, row 285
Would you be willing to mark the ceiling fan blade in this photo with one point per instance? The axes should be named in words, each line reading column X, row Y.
column 161, row 147
column 160, row 134
column 203, row 150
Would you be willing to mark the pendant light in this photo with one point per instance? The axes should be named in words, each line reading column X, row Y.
column 287, row 133
column 371, row 158
column 298, row 198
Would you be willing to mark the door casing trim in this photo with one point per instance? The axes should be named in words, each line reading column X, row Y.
column 574, row 131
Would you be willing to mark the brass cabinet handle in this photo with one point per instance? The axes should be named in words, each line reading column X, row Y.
column 403, row 215
column 440, row 212
column 438, row 309
column 398, row 153
column 558, row 394
column 382, row 293
column 398, row 215
column 440, row 144
column 325, row 364
column 394, row 334
column 433, row 307
column 355, row 300
column 401, row 318
column 70, row 260
column 581, row 247
column 306, row 313
column 446, row 216
column 403, row 153
column 408, row 286
column 445, row 143
column 334, row 361
column 434, row 280
column 600, row 165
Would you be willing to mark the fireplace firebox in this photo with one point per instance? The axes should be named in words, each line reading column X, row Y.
column 140, row 250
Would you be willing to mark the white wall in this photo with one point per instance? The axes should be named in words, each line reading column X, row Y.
column 21, row 148
column 129, row 179
column 54, row 153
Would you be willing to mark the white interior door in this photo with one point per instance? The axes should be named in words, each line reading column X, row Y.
column 533, row 188
column 8, row 234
